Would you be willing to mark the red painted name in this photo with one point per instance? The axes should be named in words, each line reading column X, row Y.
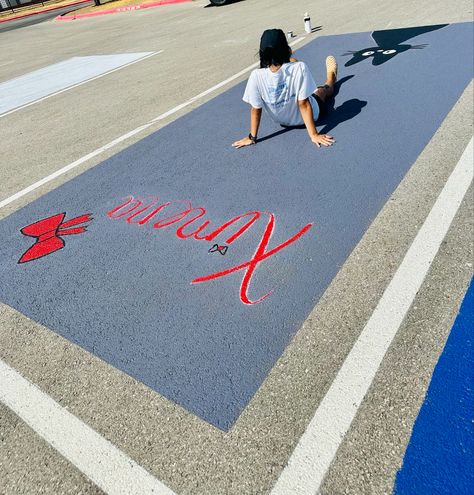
column 146, row 210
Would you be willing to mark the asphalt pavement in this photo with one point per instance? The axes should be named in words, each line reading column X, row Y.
column 74, row 131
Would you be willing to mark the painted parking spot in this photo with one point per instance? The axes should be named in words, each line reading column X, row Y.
column 195, row 263
column 39, row 84
column 440, row 456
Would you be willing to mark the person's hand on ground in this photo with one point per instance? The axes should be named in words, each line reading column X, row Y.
column 243, row 142
column 322, row 140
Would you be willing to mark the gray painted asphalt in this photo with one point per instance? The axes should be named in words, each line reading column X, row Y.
column 172, row 444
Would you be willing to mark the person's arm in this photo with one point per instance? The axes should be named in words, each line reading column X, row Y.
column 255, row 116
column 307, row 114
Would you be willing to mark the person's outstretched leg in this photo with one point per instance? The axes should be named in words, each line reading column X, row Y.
column 326, row 91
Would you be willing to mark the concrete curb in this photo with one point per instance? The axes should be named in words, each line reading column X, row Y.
column 43, row 11
column 118, row 9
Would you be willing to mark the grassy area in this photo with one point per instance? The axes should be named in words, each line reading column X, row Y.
column 29, row 9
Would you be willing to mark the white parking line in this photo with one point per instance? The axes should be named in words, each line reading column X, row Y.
column 108, row 467
column 317, row 447
column 124, row 137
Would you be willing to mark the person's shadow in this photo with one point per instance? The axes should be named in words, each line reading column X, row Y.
column 347, row 111
column 333, row 115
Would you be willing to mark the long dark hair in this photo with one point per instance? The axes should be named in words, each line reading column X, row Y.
column 274, row 48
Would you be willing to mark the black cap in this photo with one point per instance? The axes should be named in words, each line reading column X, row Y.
column 274, row 38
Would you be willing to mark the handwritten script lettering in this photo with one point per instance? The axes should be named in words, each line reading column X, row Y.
column 143, row 211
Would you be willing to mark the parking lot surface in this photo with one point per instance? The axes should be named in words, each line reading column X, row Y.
column 293, row 360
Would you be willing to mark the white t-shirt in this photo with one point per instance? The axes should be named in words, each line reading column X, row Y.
column 278, row 92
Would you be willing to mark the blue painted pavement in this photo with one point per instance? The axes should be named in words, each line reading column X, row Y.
column 439, row 459
column 132, row 289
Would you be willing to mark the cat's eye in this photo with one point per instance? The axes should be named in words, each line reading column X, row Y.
column 389, row 52
column 366, row 54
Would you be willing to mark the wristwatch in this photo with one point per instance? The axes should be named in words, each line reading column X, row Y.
column 253, row 138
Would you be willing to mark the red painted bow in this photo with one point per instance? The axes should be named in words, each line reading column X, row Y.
column 48, row 232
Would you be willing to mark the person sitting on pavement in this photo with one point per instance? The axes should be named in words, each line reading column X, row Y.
column 285, row 88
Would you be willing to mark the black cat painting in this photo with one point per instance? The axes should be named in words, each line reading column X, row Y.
column 390, row 43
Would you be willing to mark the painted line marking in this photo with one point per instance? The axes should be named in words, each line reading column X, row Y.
column 108, row 467
column 318, row 445
column 32, row 82
column 124, row 137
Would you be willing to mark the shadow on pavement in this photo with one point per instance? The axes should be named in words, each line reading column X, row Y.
column 389, row 43
column 229, row 2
